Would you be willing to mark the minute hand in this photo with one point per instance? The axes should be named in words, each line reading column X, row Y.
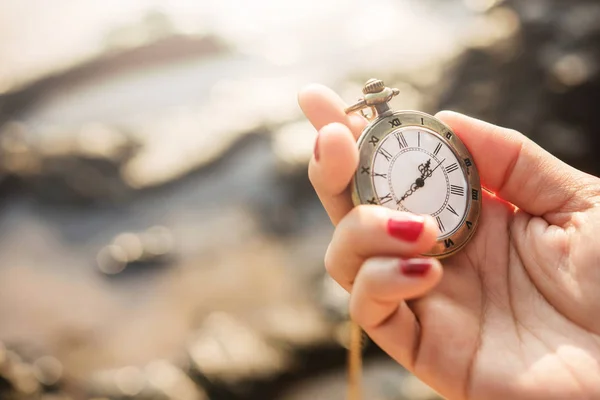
column 431, row 172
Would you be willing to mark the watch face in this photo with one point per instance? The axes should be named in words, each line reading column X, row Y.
column 415, row 170
column 410, row 161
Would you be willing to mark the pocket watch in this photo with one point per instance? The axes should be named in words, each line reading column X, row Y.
column 411, row 161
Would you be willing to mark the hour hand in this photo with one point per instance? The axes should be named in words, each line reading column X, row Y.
column 425, row 168
column 427, row 172
column 413, row 188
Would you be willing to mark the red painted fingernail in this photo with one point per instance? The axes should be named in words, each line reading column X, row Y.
column 406, row 229
column 316, row 150
column 415, row 268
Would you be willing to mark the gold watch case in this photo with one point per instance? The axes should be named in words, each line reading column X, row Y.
column 384, row 122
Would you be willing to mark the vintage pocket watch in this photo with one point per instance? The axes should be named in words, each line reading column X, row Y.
column 411, row 161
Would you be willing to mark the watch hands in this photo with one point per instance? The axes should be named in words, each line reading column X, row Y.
column 424, row 168
column 420, row 182
column 426, row 172
column 440, row 163
column 413, row 188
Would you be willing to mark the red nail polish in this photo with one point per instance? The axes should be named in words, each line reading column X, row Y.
column 316, row 150
column 407, row 229
column 415, row 268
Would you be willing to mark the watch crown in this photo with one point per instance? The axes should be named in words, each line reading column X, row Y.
column 376, row 96
column 373, row 86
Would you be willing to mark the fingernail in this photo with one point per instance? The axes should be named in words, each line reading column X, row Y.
column 316, row 150
column 415, row 268
column 406, row 229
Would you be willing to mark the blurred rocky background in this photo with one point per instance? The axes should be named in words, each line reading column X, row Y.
column 159, row 238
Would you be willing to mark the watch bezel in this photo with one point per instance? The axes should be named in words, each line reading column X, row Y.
column 363, row 191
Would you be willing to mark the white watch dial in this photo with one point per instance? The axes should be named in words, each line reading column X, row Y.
column 414, row 170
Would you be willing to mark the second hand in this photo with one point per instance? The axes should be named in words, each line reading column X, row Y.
column 441, row 162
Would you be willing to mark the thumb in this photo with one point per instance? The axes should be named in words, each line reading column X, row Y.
column 516, row 169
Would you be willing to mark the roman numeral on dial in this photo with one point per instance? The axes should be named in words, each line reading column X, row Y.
column 437, row 149
column 452, row 168
column 401, row 140
column 440, row 224
column 452, row 210
column 457, row 190
column 386, row 199
column 385, row 153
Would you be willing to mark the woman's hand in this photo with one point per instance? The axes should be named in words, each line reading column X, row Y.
column 515, row 314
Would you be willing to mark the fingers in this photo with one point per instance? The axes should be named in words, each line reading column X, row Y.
column 336, row 157
column 332, row 169
column 514, row 167
column 322, row 106
column 377, row 302
column 373, row 231
column 372, row 255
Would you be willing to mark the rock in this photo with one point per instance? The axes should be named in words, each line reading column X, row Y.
column 152, row 246
column 225, row 350
column 26, row 374
column 158, row 380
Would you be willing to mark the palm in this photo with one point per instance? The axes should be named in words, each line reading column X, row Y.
column 492, row 329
